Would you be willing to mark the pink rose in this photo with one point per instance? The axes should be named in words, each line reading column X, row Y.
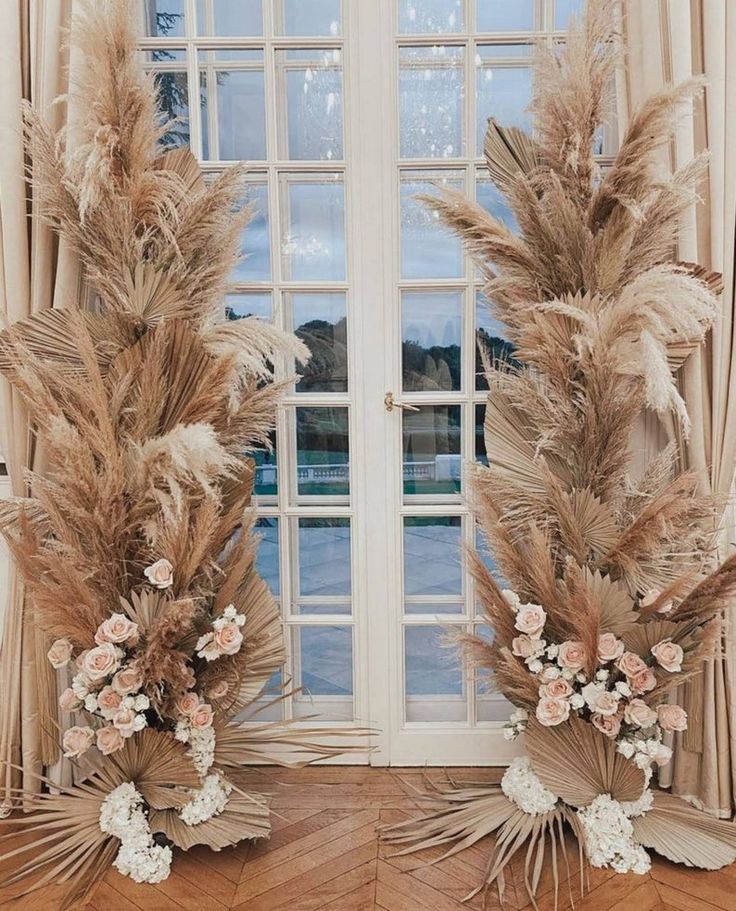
column 79, row 660
column 109, row 740
column 530, row 619
column 189, row 678
column 69, row 701
column 187, row 704
column 127, row 680
column 663, row 755
column 552, row 711
column 108, row 702
column 610, row 725
column 124, row 721
column 228, row 639
column 630, row 663
column 100, row 662
column 202, row 716
column 77, row 740
column 117, row 628
column 638, row 713
column 672, row 717
column 604, row 703
column 160, row 574
column 643, row 682
column 219, row 690
column 572, row 656
column 609, row 647
column 669, row 655
column 522, row 647
column 60, row 653
column 557, row 689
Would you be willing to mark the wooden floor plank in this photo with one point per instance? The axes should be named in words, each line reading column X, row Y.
column 324, row 855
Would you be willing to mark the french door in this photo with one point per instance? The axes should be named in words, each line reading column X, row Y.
column 346, row 110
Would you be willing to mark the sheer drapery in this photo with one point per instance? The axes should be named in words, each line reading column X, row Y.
column 36, row 272
column 669, row 41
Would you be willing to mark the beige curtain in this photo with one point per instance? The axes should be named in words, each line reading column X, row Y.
column 668, row 41
column 35, row 272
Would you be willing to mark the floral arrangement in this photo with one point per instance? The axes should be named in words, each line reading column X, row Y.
column 136, row 548
column 605, row 591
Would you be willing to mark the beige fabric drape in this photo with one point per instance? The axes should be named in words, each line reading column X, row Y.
column 668, row 41
column 36, row 272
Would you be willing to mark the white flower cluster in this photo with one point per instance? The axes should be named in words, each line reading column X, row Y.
column 522, row 786
column 646, row 752
column 608, row 835
column 210, row 800
column 516, row 724
column 123, row 817
column 201, row 744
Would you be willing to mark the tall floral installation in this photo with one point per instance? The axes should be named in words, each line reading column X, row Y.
column 614, row 592
column 136, row 547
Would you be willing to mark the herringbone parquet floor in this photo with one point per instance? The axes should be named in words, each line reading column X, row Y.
column 324, row 856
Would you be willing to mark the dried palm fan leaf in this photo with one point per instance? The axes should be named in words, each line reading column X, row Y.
column 508, row 152
column 599, row 769
column 617, row 614
column 52, row 335
column 686, row 835
column 246, row 816
column 152, row 295
column 284, row 744
column 182, row 162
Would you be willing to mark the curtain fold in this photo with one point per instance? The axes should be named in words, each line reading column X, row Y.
column 36, row 272
column 668, row 41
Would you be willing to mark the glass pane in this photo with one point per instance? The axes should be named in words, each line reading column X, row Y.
column 490, row 705
column 490, row 336
column 480, row 441
column 324, row 557
column 323, row 667
column 249, row 303
column 431, row 91
column 434, row 677
column 266, row 482
column 233, row 106
column 311, row 127
column 313, row 241
column 255, row 264
column 493, row 200
column 311, row 17
column 427, row 249
column 503, row 92
column 564, row 9
column 502, row 16
column 431, row 340
column 267, row 561
column 322, row 451
column 430, row 16
column 164, row 18
column 432, row 564
column 320, row 321
column 173, row 102
column 229, row 18
column 432, row 459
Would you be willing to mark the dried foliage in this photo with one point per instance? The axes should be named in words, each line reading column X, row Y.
column 600, row 319
column 146, row 407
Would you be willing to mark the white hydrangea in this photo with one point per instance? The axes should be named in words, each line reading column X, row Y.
column 210, row 800
column 201, row 748
column 516, row 724
column 122, row 816
column 522, row 786
column 608, row 835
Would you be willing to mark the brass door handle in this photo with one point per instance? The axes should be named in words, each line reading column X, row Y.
column 390, row 403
